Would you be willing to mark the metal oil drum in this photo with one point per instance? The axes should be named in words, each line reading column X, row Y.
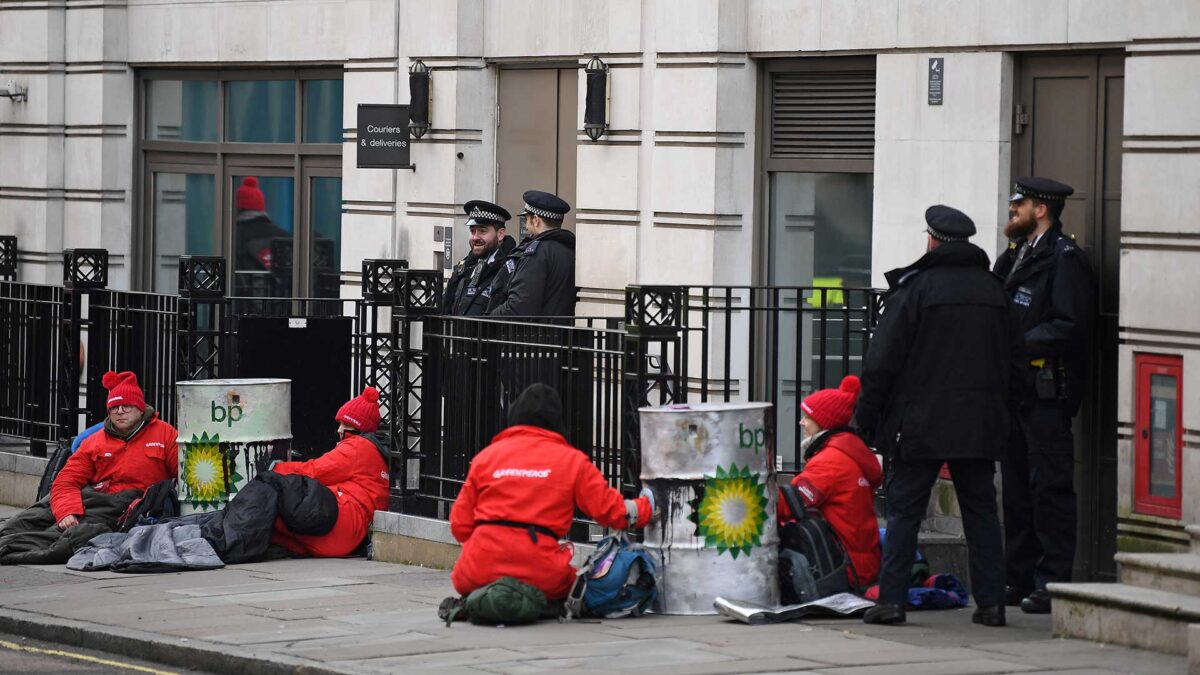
column 713, row 466
column 225, row 427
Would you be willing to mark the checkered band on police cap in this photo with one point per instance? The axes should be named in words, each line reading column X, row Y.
column 479, row 214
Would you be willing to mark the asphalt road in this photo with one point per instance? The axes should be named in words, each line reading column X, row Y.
column 22, row 655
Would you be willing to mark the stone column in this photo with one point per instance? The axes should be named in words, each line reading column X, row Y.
column 958, row 153
column 32, row 136
column 455, row 159
column 1160, row 238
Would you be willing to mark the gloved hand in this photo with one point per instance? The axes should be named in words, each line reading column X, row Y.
column 649, row 493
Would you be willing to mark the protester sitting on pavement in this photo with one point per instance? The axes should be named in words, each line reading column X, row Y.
column 109, row 471
column 356, row 470
column 840, row 477
column 136, row 450
column 520, row 496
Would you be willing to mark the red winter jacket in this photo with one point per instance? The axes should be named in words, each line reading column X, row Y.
column 529, row 475
column 358, row 474
column 109, row 464
column 840, row 481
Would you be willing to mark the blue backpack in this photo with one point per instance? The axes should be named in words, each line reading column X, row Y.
column 616, row 581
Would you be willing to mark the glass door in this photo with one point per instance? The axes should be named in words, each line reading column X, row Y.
column 182, row 207
column 262, row 210
column 819, row 235
column 323, row 227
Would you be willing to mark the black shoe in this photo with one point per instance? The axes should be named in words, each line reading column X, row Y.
column 885, row 614
column 1038, row 602
column 992, row 617
column 452, row 609
column 1013, row 595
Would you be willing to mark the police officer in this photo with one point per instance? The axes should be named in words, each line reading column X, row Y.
column 470, row 285
column 935, row 389
column 541, row 270
column 1050, row 282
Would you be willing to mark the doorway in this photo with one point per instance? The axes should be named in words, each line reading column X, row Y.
column 536, row 136
column 1069, row 127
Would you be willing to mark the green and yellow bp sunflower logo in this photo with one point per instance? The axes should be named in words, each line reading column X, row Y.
column 203, row 470
column 731, row 511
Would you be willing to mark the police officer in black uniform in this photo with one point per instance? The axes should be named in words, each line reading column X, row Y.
column 1050, row 282
column 936, row 388
column 541, row 270
column 470, row 286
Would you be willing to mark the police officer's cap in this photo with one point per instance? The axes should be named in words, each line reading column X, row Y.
column 1044, row 189
column 948, row 224
column 544, row 205
column 480, row 212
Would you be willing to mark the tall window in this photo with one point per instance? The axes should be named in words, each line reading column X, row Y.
column 818, row 148
column 247, row 165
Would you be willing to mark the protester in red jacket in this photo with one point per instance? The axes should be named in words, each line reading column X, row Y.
column 136, row 450
column 520, row 496
column 357, row 472
column 840, row 476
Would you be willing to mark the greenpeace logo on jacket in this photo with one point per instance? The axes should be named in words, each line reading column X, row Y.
column 521, row 473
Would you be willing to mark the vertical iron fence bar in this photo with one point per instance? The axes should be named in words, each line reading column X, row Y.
column 822, row 316
column 419, row 297
column 84, row 270
column 728, row 365
column 202, row 319
column 8, row 257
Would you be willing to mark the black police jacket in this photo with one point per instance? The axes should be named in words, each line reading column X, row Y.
column 1053, row 294
column 936, row 380
column 542, row 278
column 469, row 290
column 462, row 270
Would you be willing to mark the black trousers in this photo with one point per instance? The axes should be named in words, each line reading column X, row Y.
column 908, row 486
column 1039, row 498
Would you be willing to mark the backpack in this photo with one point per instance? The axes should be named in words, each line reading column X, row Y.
column 504, row 601
column 617, row 580
column 812, row 537
column 57, row 461
column 157, row 504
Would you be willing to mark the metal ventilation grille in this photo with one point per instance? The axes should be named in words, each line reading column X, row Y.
column 823, row 115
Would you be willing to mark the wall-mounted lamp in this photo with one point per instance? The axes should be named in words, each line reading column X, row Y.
column 595, row 105
column 15, row 92
column 418, row 98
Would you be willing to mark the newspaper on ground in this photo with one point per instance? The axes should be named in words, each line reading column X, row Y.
column 839, row 605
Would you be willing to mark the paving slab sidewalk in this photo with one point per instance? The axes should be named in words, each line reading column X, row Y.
column 359, row 616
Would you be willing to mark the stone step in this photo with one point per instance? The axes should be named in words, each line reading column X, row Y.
column 1174, row 572
column 1194, row 532
column 1123, row 614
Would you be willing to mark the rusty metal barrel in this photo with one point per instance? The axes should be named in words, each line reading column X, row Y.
column 714, row 467
column 225, row 427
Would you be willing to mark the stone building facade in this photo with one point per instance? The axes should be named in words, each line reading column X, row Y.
column 722, row 162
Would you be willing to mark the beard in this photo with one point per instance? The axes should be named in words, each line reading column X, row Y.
column 1020, row 228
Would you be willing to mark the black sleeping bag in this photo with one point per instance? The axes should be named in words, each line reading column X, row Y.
column 242, row 531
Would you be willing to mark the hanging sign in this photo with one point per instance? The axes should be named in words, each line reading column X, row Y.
column 383, row 136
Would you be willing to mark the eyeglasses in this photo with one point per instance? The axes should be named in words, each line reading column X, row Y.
column 122, row 409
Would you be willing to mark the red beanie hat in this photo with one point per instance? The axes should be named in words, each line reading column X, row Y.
column 832, row 408
column 123, row 389
column 362, row 411
column 249, row 197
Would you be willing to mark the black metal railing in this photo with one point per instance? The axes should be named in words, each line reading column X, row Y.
column 776, row 344
column 30, row 353
column 445, row 383
column 474, row 370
